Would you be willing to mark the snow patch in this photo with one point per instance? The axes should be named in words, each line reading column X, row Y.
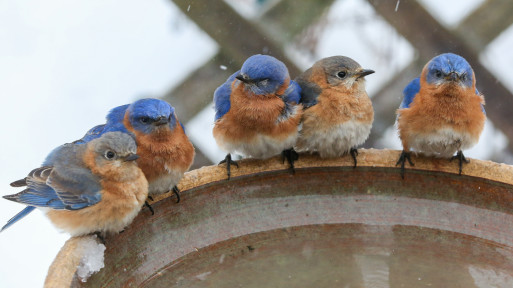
column 92, row 259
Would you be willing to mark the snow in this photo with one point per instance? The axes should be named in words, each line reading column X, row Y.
column 92, row 259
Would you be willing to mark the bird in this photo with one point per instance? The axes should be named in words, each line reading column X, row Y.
column 165, row 151
column 257, row 112
column 337, row 112
column 442, row 111
column 92, row 188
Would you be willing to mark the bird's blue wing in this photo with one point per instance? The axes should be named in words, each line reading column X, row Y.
column 76, row 187
column 38, row 193
column 409, row 93
column 63, row 182
column 222, row 96
column 18, row 217
column 293, row 93
column 309, row 90
column 72, row 187
column 93, row 133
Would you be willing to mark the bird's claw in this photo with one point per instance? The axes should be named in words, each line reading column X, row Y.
column 354, row 153
column 176, row 191
column 228, row 160
column 149, row 207
column 291, row 155
column 461, row 159
column 402, row 159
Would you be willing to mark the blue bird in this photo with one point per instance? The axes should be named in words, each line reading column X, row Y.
column 442, row 112
column 258, row 111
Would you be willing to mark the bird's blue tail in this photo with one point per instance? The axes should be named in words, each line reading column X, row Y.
column 18, row 216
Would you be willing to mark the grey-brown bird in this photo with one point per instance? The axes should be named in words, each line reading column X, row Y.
column 338, row 113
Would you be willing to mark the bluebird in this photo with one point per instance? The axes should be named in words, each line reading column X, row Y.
column 164, row 149
column 442, row 112
column 338, row 113
column 95, row 187
column 258, row 111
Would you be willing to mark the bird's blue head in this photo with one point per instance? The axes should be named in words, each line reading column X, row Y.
column 149, row 115
column 449, row 68
column 263, row 74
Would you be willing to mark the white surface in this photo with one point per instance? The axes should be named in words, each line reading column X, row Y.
column 199, row 130
column 63, row 66
column 452, row 12
column 498, row 58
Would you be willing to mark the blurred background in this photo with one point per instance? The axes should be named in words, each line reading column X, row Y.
column 65, row 64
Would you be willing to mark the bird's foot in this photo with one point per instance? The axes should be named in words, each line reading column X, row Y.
column 461, row 159
column 354, row 153
column 228, row 160
column 149, row 207
column 402, row 159
column 291, row 155
column 176, row 191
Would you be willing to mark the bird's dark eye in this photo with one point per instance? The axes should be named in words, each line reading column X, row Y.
column 438, row 73
column 110, row 155
column 145, row 120
column 341, row 74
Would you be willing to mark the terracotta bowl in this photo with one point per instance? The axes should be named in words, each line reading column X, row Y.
column 327, row 225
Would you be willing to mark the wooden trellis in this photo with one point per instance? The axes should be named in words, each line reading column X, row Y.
column 240, row 38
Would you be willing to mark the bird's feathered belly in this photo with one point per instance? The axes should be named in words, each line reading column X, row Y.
column 335, row 140
column 260, row 130
column 121, row 202
column 165, row 181
column 443, row 142
column 260, row 146
column 164, row 163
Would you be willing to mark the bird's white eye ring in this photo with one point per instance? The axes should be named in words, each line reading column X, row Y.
column 438, row 73
column 341, row 74
column 109, row 155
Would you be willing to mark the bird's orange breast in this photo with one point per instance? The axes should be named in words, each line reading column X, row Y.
column 250, row 115
column 162, row 150
column 438, row 107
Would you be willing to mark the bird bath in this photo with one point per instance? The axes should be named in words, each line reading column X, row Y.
column 328, row 225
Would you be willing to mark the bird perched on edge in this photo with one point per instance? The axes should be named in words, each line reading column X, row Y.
column 258, row 111
column 164, row 149
column 442, row 112
column 95, row 187
column 338, row 113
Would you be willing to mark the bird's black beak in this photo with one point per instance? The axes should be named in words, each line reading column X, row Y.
column 453, row 76
column 161, row 121
column 243, row 77
column 131, row 157
column 363, row 73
